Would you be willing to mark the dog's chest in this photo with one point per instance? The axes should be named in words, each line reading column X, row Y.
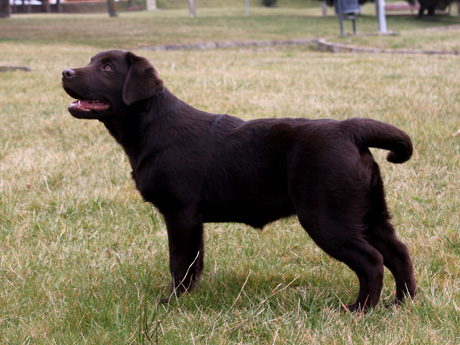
column 164, row 187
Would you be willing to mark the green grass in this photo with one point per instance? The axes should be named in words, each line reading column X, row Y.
column 145, row 29
column 84, row 261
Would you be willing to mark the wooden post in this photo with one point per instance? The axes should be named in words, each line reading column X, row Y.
column 5, row 9
column 324, row 8
column 151, row 5
column 191, row 5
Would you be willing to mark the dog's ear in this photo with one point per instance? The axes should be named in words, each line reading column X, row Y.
column 142, row 81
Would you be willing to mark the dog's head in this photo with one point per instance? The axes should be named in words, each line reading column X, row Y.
column 111, row 81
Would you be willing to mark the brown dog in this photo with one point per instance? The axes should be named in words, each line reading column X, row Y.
column 197, row 167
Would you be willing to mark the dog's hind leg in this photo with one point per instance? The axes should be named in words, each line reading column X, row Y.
column 345, row 242
column 186, row 250
column 381, row 235
column 396, row 257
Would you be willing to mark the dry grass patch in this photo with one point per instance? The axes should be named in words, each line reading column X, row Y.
column 83, row 260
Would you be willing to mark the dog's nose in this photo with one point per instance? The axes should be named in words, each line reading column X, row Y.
column 68, row 73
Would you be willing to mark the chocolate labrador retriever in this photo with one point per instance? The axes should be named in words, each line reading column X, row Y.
column 197, row 167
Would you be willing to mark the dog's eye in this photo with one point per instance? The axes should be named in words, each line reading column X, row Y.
column 107, row 67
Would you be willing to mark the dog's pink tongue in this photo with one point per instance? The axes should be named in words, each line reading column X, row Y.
column 88, row 105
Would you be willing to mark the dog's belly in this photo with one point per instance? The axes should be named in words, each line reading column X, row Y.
column 256, row 214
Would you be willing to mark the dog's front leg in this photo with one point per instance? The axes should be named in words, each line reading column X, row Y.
column 186, row 250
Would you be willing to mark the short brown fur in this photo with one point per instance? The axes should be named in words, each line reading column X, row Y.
column 198, row 167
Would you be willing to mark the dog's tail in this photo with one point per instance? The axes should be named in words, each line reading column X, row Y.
column 372, row 133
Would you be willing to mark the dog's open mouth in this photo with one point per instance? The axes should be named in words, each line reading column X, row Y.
column 88, row 105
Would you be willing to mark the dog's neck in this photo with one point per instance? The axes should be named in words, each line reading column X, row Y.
column 141, row 131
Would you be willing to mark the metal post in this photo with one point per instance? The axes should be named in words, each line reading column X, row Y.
column 339, row 9
column 247, row 8
column 341, row 24
column 382, row 17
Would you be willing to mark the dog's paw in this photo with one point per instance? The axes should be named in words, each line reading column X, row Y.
column 354, row 308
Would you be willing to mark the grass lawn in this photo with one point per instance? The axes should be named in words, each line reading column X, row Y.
column 145, row 29
column 84, row 261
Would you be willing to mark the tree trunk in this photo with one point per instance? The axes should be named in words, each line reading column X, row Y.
column 5, row 9
column 58, row 6
column 26, row 8
column 46, row 6
column 420, row 11
column 112, row 7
